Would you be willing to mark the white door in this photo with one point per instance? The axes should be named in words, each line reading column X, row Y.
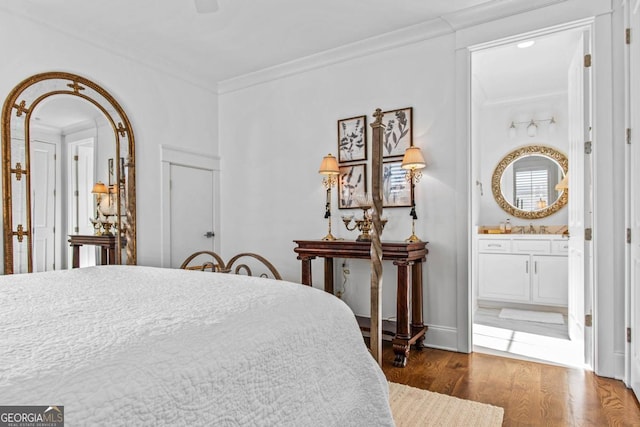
column 579, row 206
column 633, row 178
column 43, row 204
column 82, row 206
column 191, row 212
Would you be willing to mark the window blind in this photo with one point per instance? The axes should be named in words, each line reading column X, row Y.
column 531, row 186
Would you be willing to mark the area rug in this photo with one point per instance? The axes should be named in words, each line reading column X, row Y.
column 415, row 407
column 531, row 316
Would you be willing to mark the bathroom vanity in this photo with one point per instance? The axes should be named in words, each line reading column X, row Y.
column 523, row 268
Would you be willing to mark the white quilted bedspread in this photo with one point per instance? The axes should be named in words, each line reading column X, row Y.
column 124, row 345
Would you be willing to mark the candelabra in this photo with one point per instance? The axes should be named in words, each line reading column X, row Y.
column 329, row 168
column 363, row 225
column 413, row 161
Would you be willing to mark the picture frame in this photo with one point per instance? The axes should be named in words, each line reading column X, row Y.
column 397, row 191
column 398, row 132
column 352, row 183
column 112, row 173
column 352, row 139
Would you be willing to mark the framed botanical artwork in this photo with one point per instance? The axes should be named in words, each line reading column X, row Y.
column 352, row 183
column 398, row 131
column 396, row 190
column 352, row 139
column 112, row 171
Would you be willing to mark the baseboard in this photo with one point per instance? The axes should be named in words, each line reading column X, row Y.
column 619, row 366
column 442, row 337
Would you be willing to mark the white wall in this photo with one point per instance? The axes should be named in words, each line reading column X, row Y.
column 495, row 143
column 162, row 109
column 275, row 134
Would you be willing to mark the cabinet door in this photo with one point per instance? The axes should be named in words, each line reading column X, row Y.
column 504, row 277
column 550, row 280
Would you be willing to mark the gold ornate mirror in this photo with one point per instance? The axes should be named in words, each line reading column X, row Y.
column 47, row 181
column 523, row 183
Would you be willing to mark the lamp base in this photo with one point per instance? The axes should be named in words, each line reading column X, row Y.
column 412, row 239
column 330, row 237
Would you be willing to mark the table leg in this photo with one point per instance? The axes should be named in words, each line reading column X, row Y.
column 104, row 256
column 112, row 255
column 75, row 263
column 328, row 275
column 306, row 269
column 403, row 335
column 417, row 324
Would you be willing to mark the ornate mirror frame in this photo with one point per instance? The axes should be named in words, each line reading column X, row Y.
column 16, row 115
column 528, row 150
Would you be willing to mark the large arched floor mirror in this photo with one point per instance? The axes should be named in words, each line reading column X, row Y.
column 68, row 169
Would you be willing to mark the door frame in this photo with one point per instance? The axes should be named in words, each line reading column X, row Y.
column 631, row 121
column 588, row 24
column 172, row 155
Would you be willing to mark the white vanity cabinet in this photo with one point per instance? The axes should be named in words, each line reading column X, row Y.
column 530, row 269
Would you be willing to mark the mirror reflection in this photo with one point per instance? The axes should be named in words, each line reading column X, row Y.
column 68, row 172
column 524, row 182
column 529, row 183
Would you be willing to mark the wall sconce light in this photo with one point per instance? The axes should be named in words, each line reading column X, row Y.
column 532, row 126
column 413, row 162
column 329, row 168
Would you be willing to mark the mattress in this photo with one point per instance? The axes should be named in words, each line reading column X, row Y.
column 132, row 345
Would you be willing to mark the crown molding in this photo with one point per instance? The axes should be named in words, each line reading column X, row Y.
column 411, row 34
column 493, row 10
column 447, row 24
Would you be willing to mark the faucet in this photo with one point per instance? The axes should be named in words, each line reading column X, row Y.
column 532, row 229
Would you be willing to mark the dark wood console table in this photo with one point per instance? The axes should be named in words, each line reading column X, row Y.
column 106, row 243
column 403, row 255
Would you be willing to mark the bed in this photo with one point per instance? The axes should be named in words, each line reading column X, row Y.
column 132, row 345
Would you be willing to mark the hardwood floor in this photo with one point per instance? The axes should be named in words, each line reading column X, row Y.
column 531, row 393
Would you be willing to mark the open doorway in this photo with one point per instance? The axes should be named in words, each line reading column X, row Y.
column 531, row 282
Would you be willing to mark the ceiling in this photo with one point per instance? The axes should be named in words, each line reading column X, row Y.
column 507, row 72
column 244, row 36
column 62, row 112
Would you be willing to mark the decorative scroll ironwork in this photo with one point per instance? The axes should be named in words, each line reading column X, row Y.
column 21, row 108
column 122, row 130
column 219, row 266
column 19, row 171
column 75, row 86
column 21, row 232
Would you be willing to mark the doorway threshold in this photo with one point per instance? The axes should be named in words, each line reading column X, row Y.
column 502, row 341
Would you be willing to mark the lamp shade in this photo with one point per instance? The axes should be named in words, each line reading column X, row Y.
column 329, row 165
column 563, row 184
column 413, row 159
column 99, row 188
